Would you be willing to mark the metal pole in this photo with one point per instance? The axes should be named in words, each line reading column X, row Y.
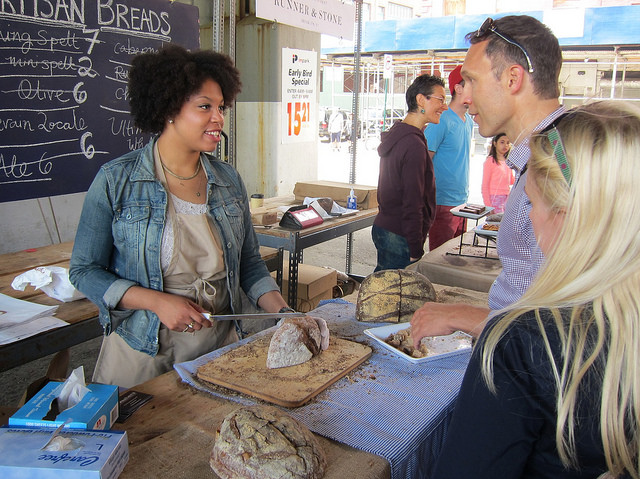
column 614, row 74
column 232, row 54
column 354, row 136
column 217, row 30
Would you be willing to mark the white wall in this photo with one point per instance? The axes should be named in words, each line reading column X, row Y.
column 39, row 222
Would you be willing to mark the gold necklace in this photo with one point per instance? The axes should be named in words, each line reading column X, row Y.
column 184, row 178
column 200, row 186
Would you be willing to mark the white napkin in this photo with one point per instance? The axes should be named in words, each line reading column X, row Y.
column 52, row 280
column 73, row 389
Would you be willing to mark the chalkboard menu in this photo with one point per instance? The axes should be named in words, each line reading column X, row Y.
column 64, row 107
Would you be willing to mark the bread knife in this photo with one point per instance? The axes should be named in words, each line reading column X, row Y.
column 231, row 317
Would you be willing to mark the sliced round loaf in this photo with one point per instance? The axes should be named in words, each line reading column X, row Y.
column 295, row 341
column 392, row 296
column 262, row 442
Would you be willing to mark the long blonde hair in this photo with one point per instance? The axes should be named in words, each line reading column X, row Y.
column 592, row 271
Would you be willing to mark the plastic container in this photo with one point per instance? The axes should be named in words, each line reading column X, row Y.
column 352, row 201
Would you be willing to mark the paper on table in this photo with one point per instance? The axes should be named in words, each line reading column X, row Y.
column 15, row 311
column 336, row 209
column 20, row 319
column 20, row 331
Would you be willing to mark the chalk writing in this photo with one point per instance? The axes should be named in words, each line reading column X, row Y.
column 64, row 68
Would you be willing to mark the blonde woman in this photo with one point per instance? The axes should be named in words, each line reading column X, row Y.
column 553, row 386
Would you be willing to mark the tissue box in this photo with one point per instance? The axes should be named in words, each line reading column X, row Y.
column 98, row 409
column 339, row 192
column 102, row 454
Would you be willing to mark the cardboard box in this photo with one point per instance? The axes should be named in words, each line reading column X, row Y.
column 98, row 409
column 338, row 192
column 265, row 218
column 314, row 284
column 97, row 454
column 305, row 305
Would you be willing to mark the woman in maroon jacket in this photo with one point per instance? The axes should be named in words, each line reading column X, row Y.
column 406, row 185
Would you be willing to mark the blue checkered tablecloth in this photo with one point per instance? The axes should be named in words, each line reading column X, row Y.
column 388, row 406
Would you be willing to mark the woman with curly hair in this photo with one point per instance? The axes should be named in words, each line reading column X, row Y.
column 165, row 232
column 552, row 389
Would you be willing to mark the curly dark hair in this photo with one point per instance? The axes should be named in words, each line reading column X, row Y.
column 161, row 82
column 423, row 84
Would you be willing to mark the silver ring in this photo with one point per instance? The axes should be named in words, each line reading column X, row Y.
column 191, row 325
column 185, row 329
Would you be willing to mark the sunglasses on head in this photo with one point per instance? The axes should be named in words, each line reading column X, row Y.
column 489, row 26
column 553, row 135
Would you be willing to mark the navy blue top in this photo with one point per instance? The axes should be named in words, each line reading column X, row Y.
column 512, row 435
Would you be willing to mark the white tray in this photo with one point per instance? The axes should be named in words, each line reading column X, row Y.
column 439, row 346
column 482, row 232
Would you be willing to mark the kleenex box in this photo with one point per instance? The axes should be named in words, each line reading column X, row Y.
column 98, row 409
column 90, row 454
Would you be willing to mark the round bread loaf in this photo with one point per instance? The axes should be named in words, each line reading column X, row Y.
column 392, row 296
column 262, row 442
column 296, row 341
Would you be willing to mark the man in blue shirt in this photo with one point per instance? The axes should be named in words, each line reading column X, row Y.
column 449, row 144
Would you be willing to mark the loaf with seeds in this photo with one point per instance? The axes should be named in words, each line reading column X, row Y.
column 392, row 296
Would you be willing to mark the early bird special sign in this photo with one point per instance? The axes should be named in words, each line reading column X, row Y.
column 299, row 95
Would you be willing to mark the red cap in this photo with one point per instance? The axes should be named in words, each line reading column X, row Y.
column 454, row 78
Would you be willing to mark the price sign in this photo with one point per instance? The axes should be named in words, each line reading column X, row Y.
column 299, row 92
column 299, row 117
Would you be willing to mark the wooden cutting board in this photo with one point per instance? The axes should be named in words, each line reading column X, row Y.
column 244, row 370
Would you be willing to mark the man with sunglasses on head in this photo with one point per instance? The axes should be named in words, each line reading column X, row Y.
column 511, row 75
column 449, row 145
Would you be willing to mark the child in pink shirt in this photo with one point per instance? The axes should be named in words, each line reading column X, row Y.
column 497, row 177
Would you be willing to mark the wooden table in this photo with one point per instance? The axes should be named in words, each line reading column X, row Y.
column 472, row 271
column 295, row 241
column 82, row 315
column 172, row 436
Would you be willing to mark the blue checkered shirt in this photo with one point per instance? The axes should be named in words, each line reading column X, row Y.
column 517, row 248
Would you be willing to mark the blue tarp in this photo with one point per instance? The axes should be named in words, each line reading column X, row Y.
column 602, row 26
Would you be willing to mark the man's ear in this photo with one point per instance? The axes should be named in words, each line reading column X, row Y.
column 515, row 77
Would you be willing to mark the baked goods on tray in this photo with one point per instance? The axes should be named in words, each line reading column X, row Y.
column 490, row 227
column 429, row 346
column 473, row 209
column 263, row 442
column 402, row 341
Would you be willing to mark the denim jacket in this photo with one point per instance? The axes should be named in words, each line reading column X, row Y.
column 119, row 239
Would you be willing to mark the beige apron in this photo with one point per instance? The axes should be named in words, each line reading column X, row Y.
column 196, row 271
